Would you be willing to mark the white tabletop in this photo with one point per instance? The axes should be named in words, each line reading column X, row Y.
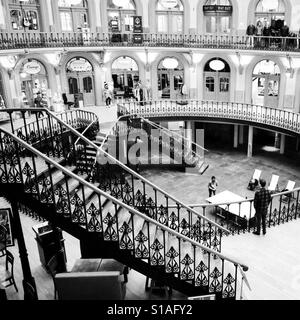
column 244, row 210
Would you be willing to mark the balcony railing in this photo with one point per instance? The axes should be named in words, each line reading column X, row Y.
column 30, row 40
column 238, row 217
column 278, row 119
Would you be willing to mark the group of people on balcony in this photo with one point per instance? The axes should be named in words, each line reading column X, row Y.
column 277, row 34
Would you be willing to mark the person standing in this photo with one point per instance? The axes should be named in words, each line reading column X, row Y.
column 262, row 200
column 107, row 95
column 212, row 186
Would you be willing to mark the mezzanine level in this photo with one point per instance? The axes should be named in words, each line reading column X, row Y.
column 33, row 40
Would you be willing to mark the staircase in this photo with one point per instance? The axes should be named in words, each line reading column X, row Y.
column 112, row 216
column 180, row 146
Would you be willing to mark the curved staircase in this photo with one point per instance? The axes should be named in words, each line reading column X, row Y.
column 114, row 211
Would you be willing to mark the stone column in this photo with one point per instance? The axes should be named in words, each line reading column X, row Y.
column 282, row 144
column 250, row 142
column 236, row 136
column 189, row 133
column 241, row 135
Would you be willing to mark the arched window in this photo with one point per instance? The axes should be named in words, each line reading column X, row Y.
column 169, row 16
column 24, row 15
column 266, row 67
column 73, row 15
column 270, row 12
column 120, row 15
column 218, row 16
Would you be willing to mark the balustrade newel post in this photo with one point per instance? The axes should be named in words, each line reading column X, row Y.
column 29, row 286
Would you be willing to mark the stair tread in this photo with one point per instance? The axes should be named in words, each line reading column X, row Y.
column 58, row 175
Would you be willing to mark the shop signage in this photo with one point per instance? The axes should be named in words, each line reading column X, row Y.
column 80, row 66
column 169, row 4
column 216, row 8
column 138, row 30
column 32, row 67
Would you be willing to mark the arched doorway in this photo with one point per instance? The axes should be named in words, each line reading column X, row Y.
column 80, row 75
column 34, row 81
column 169, row 16
column 266, row 84
column 218, row 16
column 217, row 80
column 271, row 13
column 73, row 15
column 170, row 78
column 24, row 15
column 125, row 75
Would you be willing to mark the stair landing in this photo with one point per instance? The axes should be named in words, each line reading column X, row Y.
column 273, row 260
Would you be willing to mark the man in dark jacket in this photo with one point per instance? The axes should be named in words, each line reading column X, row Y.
column 251, row 30
column 262, row 200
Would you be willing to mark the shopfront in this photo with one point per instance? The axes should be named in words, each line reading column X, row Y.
column 266, row 84
column 24, row 15
column 120, row 15
column 170, row 79
column 270, row 13
column 74, row 15
column 125, row 76
column 80, row 77
column 218, row 16
column 217, row 80
column 34, row 81
column 169, row 16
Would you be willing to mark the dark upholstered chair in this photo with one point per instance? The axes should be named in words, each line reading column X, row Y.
column 3, row 240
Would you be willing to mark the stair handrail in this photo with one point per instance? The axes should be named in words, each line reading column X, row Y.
column 36, row 111
column 139, row 176
column 120, row 203
column 85, row 131
column 244, row 280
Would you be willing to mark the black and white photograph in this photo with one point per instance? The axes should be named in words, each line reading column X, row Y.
column 150, row 153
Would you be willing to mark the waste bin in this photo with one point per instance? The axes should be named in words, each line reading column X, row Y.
column 49, row 242
column 78, row 100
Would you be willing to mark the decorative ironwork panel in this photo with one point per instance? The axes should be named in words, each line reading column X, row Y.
column 126, row 242
column 229, row 290
column 141, row 250
column 110, row 231
column 94, row 224
column 77, row 209
column 187, row 272
column 172, row 265
column 202, row 278
column 157, row 258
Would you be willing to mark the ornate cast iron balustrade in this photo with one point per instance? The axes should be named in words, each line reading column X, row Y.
column 18, row 40
column 61, row 142
column 36, row 126
column 275, row 119
column 78, row 202
column 132, row 189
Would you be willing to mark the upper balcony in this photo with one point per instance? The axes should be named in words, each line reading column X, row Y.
column 34, row 40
